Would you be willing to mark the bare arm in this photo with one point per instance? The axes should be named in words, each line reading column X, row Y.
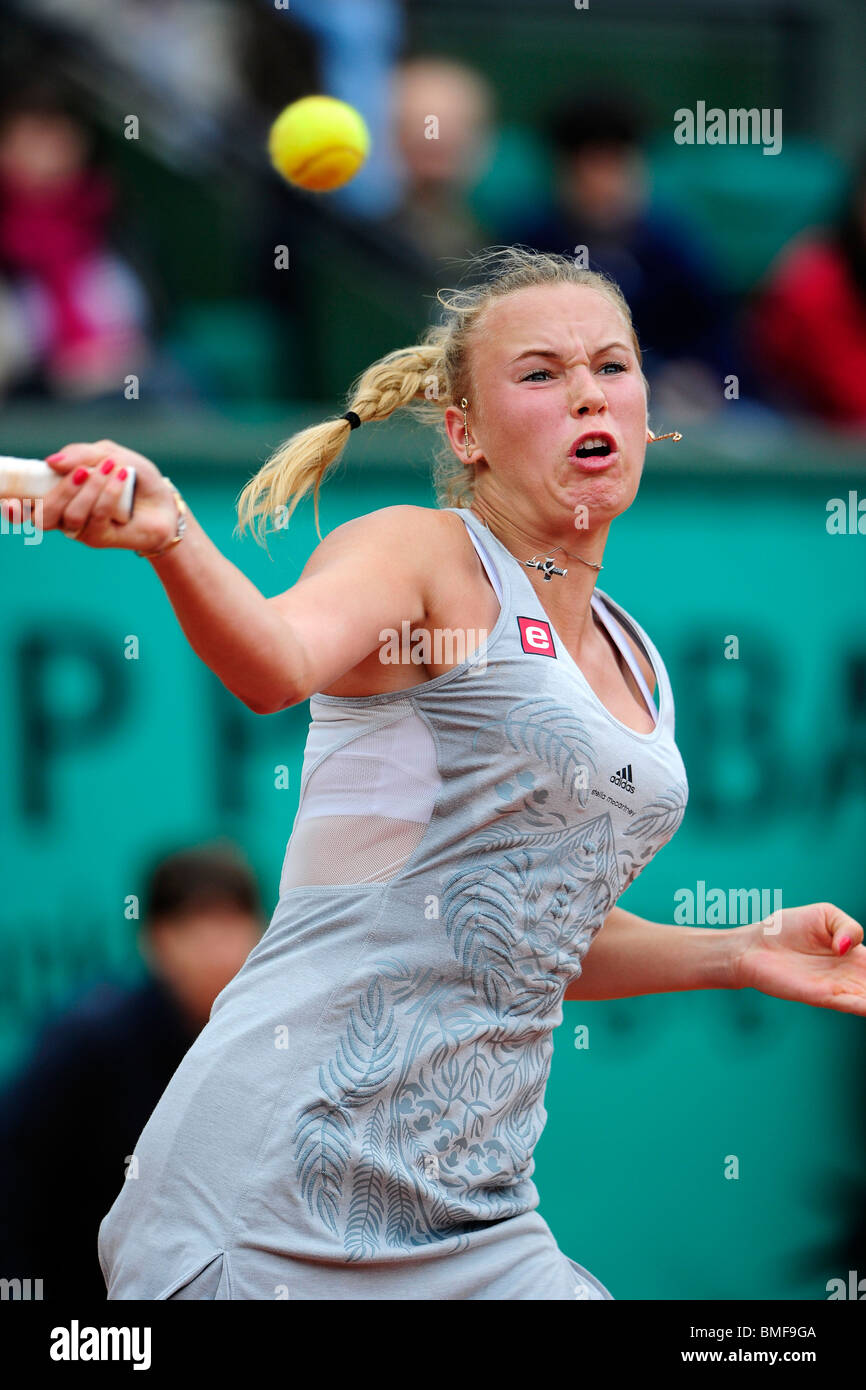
column 812, row 954
column 271, row 653
column 276, row 652
column 228, row 622
column 632, row 956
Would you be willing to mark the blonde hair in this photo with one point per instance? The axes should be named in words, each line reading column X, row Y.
column 427, row 378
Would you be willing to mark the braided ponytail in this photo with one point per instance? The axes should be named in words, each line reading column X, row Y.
column 300, row 464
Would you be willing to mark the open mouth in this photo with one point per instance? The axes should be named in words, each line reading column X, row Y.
column 593, row 446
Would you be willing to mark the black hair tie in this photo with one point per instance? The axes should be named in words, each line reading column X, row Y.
column 354, row 420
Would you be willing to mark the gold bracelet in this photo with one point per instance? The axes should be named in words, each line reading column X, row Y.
column 181, row 526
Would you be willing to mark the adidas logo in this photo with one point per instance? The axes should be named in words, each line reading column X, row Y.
column 623, row 779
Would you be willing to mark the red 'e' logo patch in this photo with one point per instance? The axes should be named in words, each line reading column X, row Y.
column 535, row 636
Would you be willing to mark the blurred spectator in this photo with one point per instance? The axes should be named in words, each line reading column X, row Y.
column 183, row 52
column 442, row 115
column 74, row 313
column 602, row 202
column 358, row 43
column 808, row 323
column 73, row 1114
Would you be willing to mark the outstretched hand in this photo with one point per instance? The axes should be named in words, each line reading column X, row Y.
column 801, row 953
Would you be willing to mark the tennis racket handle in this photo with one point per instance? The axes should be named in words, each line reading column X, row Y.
column 23, row 478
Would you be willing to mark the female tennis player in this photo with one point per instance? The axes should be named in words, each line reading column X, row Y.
column 358, row 1118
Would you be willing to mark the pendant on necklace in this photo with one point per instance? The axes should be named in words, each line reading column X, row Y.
column 548, row 567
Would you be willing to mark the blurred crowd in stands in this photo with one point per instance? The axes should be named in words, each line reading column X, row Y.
column 82, row 306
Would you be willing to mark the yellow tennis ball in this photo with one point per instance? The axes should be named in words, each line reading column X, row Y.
column 319, row 143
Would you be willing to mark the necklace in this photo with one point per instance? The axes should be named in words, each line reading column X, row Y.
column 548, row 565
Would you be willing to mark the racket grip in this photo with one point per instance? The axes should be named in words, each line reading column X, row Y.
column 32, row 478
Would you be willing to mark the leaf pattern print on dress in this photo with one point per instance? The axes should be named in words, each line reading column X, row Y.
column 553, row 734
column 513, row 914
column 476, row 1053
column 477, row 1113
column 367, row 1206
column 355, row 1076
column 657, row 823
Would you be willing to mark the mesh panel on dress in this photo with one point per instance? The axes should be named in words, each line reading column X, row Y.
column 364, row 808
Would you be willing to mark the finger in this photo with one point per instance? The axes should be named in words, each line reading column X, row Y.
column 846, row 931
column 84, row 451
column 86, row 489
column 63, row 462
column 61, row 495
column 10, row 510
column 106, row 506
column 73, row 456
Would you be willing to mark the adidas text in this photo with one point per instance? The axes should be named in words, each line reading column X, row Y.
column 623, row 779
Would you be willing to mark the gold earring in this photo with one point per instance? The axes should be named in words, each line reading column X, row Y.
column 464, row 403
column 654, row 438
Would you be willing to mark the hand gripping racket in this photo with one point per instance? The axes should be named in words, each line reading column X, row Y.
column 32, row 478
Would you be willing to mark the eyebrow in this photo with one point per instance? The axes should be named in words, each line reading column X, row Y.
column 549, row 352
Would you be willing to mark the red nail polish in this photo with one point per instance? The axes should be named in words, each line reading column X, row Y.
column 108, row 465
column 80, row 474
column 54, row 458
column 121, row 475
column 844, row 945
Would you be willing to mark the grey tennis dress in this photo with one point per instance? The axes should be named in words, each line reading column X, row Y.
column 357, row 1119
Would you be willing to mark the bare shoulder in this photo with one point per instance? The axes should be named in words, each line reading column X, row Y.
column 399, row 530
column 366, row 578
column 419, row 541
